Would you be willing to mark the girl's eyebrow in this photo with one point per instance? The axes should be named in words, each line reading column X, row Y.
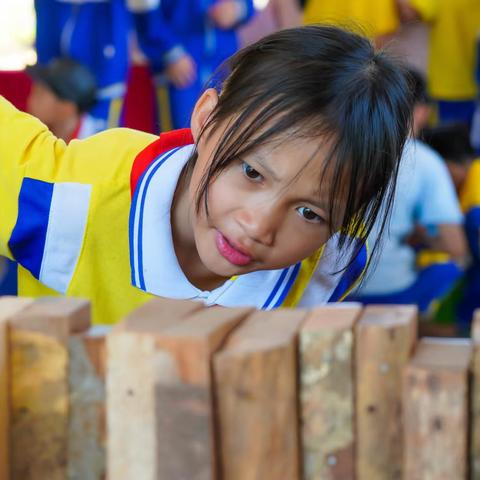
column 313, row 198
column 262, row 162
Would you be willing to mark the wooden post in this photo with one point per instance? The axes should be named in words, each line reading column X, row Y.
column 475, row 400
column 40, row 387
column 385, row 340
column 87, row 429
column 436, row 411
column 9, row 306
column 185, row 415
column 257, row 398
column 327, row 393
column 134, row 364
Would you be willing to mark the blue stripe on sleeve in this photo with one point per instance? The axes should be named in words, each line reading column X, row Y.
column 27, row 242
column 351, row 275
column 150, row 174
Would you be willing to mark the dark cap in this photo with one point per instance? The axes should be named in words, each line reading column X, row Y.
column 68, row 79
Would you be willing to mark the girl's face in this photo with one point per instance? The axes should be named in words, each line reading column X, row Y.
column 265, row 211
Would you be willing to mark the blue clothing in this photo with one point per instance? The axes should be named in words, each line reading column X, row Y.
column 424, row 195
column 470, row 299
column 95, row 33
column 432, row 284
column 168, row 30
column 8, row 277
column 450, row 111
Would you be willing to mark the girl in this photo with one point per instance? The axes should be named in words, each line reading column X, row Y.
column 280, row 178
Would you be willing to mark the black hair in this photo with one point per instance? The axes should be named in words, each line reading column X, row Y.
column 418, row 86
column 322, row 82
column 451, row 141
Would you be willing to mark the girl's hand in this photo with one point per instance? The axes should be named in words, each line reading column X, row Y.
column 226, row 14
column 182, row 72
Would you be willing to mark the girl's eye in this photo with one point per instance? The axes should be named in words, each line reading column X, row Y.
column 309, row 215
column 250, row 172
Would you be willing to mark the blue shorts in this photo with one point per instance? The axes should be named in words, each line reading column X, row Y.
column 432, row 284
column 461, row 111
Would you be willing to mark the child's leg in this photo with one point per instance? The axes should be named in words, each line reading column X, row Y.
column 455, row 111
column 431, row 285
column 163, row 120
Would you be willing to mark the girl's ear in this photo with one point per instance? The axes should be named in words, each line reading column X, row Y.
column 202, row 111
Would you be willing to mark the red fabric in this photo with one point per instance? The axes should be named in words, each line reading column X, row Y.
column 166, row 141
column 15, row 86
column 140, row 102
column 76, row 131
column 139, row 105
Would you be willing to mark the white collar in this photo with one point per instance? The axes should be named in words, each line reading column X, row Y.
column 154, row 265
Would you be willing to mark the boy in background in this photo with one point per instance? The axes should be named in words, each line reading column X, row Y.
column 62, row 92
column 453, row 143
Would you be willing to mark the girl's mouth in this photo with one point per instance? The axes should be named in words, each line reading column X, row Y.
column 229, row 252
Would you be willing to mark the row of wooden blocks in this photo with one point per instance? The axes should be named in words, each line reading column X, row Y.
column 179, row 391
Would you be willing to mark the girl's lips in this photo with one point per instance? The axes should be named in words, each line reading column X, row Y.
column 229, row 252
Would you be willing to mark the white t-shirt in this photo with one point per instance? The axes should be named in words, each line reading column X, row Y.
column 424, row 195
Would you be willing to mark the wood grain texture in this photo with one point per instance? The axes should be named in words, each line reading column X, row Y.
column 385, row 337
column 436, row 410
column 475, row 400
column 257, row 398
column 9, row 306
column 327, row 393
column 185, row 415
column 40, row 386
column 134, row 365
column 86, row 435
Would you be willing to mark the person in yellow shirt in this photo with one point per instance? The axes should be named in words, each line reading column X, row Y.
column 453, row 43
column 376, row 18
column 279, row 179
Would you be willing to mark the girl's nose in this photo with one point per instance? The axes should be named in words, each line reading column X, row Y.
column 259, row 224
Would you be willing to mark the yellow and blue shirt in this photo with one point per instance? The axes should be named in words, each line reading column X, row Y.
column 91, row 219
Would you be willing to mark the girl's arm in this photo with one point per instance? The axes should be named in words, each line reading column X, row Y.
column 48, row 190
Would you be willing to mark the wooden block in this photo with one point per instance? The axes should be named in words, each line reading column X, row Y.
column 475, row 400
column 327, row 393
column 436, row 411
column 185, row 416
column 385, row 337
column 134, row 365
column 257, row 399
column 9, row 306
column 87, row 429
column 40, row 386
